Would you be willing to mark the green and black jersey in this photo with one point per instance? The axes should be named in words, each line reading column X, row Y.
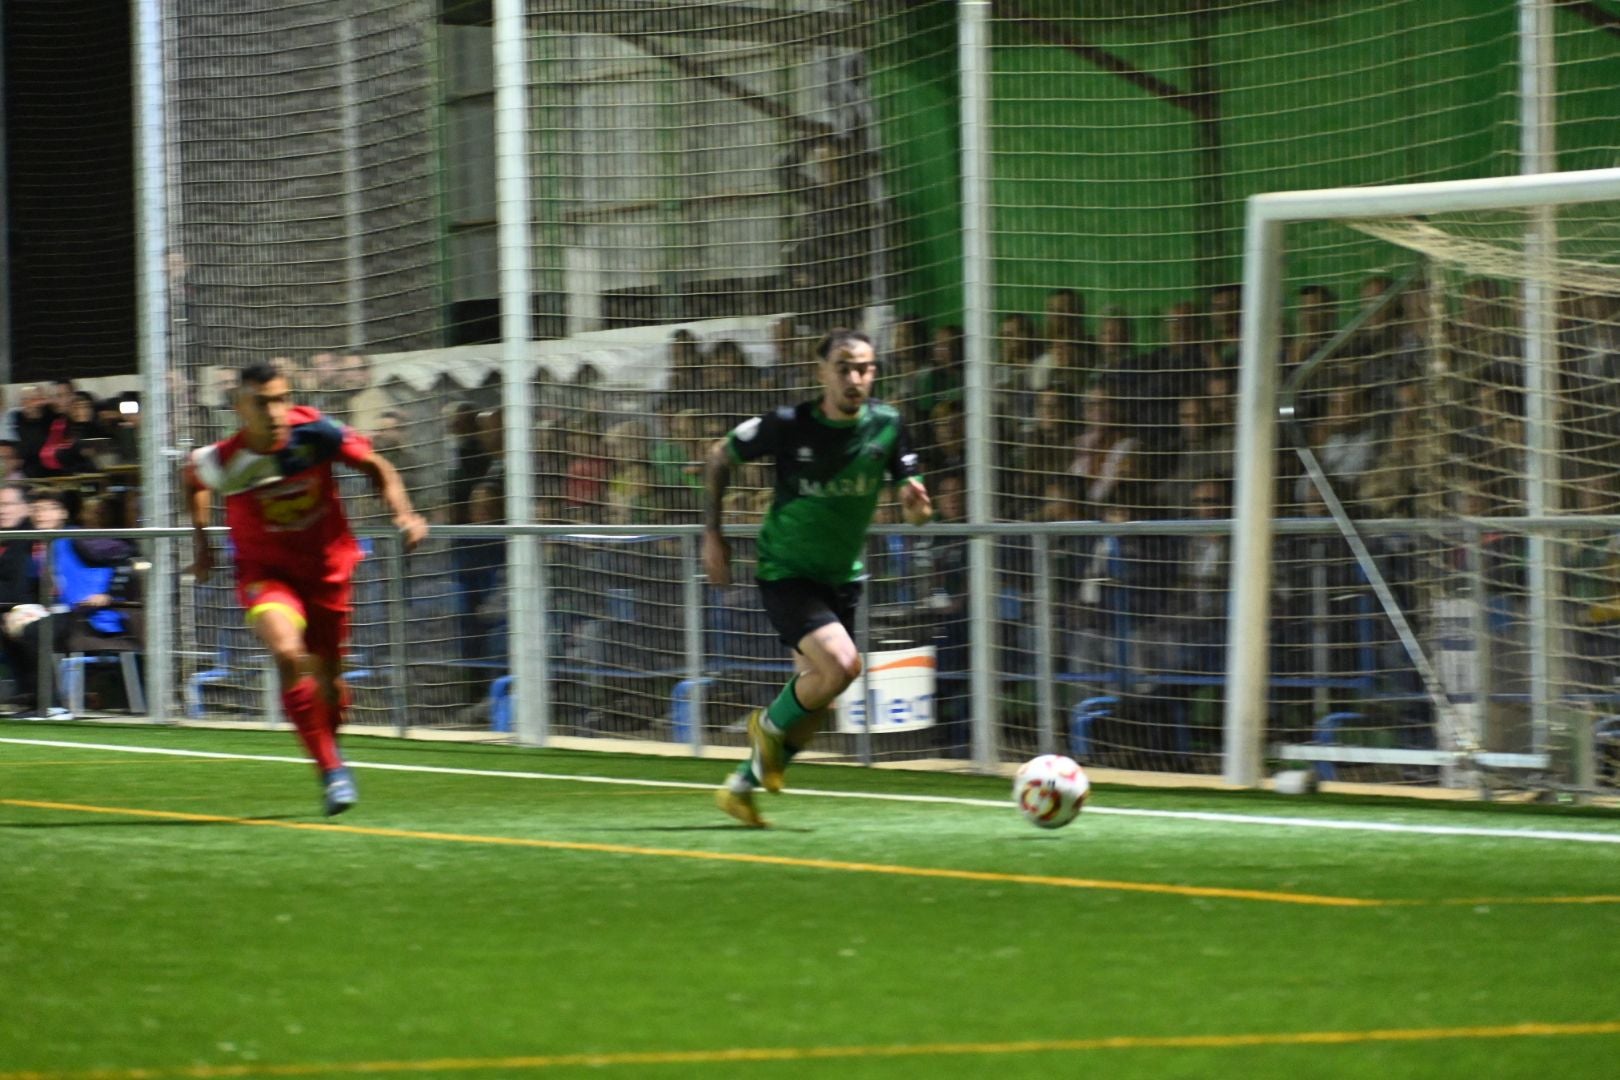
column 828, row 476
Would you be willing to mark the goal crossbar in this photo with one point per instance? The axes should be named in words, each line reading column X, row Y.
column 1438, row 197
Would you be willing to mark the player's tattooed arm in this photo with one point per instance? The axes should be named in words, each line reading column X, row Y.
column 716, row 478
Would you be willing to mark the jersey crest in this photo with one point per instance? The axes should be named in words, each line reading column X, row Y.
column 294, row 505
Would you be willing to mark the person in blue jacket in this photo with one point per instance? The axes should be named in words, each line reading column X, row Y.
column 92, row 574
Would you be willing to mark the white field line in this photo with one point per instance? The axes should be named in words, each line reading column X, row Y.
column 1276, row 821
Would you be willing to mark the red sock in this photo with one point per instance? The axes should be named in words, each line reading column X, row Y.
column 300, row 703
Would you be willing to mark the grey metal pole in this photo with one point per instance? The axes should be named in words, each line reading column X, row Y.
column 1482, row 686
column 398, row 699
column 973, row 51
column 863, row 642
column 692, row 601
column 45, row 669
column 152, row 293
column 5, row 230
column 1320, row 662
column 513, row 199
column 1538, row 154
column 540, row 698
column 1045, row 649
column 353, row 185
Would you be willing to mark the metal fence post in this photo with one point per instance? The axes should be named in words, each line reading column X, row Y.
column 45, row 669
column 152, row 286
column 973, row 59
column 540, row 667
column 1045, row 666
column 397, row 622
column 863, row 643
column 514, row 218
column 692, row 586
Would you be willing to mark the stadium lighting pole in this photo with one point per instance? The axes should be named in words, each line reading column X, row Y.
column 152, row 299
column 531, row 689
column 1538, row 154
column 973, row 56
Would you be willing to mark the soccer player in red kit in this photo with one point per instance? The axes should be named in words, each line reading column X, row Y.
column 295, row 554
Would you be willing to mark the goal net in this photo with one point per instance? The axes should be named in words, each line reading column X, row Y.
column 1464, row 432
column 711, row 186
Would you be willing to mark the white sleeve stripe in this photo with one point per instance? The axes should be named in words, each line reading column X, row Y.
column 205, row 460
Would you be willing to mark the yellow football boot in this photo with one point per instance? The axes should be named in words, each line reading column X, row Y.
column 740, row 805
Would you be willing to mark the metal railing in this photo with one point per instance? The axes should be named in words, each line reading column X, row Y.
column 532, row 704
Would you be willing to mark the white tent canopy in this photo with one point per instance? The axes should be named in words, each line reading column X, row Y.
column 631, row 358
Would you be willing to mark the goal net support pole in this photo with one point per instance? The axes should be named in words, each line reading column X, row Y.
column 1267, row 219
column 1538, row 155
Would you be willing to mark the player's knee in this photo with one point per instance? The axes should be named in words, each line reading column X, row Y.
column 287, row 654
column 849, row 668
column 289, row 669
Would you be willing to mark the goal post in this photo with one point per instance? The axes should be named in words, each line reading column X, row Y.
column 1530, row 256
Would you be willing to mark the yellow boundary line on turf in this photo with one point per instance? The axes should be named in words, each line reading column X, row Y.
column 831, row 1053
column 1487, row 901
column 1200, row 891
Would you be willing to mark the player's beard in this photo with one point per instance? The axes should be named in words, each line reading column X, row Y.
column 851, row 403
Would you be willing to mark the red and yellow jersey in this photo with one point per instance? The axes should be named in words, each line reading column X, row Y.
column 282, row 507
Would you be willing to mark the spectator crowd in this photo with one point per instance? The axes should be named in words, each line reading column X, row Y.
column 1418, row 413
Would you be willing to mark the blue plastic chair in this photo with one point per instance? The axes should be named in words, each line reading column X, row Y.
column 1325, row 732
column 191, row 695
column 1081, row 720
column 680, row 708
column 500, row 704
column 70, row 675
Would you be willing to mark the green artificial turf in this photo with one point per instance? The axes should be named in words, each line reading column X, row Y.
column 409, row 933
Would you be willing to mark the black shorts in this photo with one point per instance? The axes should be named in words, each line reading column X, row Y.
column 798, row 606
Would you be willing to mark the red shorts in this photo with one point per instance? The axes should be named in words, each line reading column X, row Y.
column 321, row 608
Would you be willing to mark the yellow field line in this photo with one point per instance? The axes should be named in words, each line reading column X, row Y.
column 1201, row 891
column 828, row 1053
column 1486, row 901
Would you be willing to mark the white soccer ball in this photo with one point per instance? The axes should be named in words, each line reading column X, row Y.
column 1050, row 790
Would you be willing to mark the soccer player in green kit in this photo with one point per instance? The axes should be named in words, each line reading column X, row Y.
column 833, row 457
